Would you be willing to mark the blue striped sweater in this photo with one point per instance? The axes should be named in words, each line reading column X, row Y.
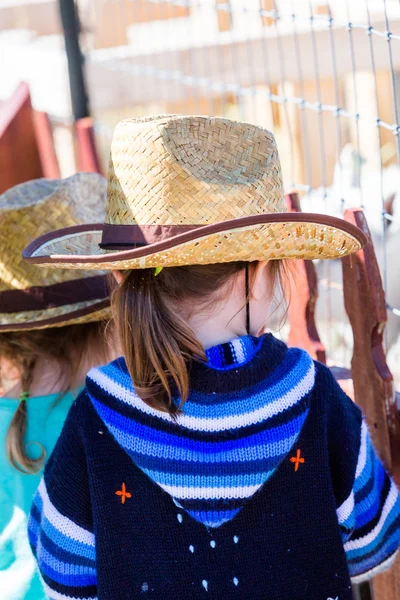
column 263, row 426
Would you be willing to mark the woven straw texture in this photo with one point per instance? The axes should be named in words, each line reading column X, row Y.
column 191, row 171
column 35, row 208
column 183, row 170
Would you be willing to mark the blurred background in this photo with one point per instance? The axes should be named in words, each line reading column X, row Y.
column 323, row 76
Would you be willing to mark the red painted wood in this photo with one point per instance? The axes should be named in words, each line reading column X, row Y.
column 45, row 143
column 19, row 153
column 88, row 158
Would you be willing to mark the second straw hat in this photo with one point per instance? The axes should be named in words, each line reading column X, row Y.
column 33, row 298
column 186, row 190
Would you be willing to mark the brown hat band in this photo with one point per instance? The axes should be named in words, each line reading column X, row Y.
column 132, row 236
column 58, row 294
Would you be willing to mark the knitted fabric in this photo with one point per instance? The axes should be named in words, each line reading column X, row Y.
column 101, row 527
column 235, row 440
column 370, row 516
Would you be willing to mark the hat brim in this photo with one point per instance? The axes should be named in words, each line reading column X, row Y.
column 61, row 316
column 258, row 237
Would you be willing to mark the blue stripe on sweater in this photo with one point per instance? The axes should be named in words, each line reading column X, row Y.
column 232, row 456
column 33, row 534
column 385, row 552
column 74, row 575
column 213, row 518
column 290, row 364
column 203, row 468
column 73, row 593
column 148, row 441
column 249, row 346
column 372, row 488
column 176, row 430
column 260, row 447
column 391, row 534
column 64, row 555
column 60, row 539
column 391, row 518
column 217, row 481
column 268, row 393
column 280, row 382
column 33, row 525
column 36, row 509
column 369, row 507
column 65, row 542
column 212, row 469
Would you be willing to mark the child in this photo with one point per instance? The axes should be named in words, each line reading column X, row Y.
column 212, row 461
column 51, row 331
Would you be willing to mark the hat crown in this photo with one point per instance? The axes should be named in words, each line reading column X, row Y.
column 174, row 170
column 35, row 208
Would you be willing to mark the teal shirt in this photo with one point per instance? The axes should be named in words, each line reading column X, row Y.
column 19, row 579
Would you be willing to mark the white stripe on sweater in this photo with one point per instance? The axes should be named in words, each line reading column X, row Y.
column 237, row 346
column 362, row 455
column 220, row 423
column 372, row 535
column 64, row 525
column 375, row 571
column 183, row 493
column 345, row 509
column 53, row 595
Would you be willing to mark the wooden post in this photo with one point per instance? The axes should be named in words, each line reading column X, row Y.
column 88, row 158
column 45, row 143
column 302, row 292
column 19, row 154
column 373, row 383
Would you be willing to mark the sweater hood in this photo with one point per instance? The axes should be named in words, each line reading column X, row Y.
column 244, row 414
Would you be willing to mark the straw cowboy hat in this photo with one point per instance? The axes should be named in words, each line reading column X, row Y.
column 188, row 190
column 32, row 298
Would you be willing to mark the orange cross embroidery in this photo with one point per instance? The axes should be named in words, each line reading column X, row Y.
column 123, row 493
column 297, row 460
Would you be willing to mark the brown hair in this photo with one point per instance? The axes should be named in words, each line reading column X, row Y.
column 156, row 341
column 68, row 346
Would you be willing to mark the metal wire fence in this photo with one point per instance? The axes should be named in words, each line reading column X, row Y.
column 323, row 75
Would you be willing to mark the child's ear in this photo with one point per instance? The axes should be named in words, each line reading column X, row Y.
column 259, row 281
column 118, row 276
